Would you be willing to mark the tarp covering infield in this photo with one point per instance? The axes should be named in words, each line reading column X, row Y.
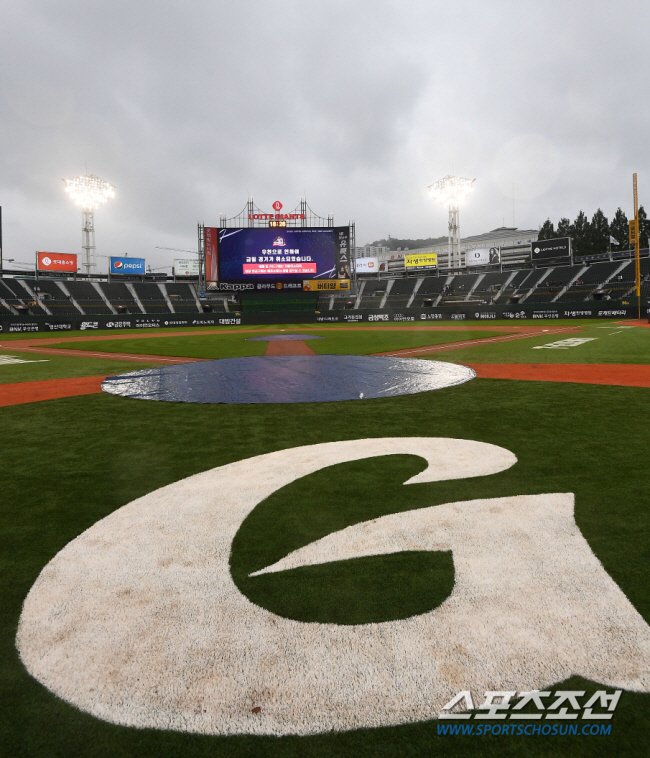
column 288, row 379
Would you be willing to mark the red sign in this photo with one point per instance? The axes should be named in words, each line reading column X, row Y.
column 56, row 262
column 277, row 205
column 211, row 254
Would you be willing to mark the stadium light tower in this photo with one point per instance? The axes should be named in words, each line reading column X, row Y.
column 450, row 191
column 89, row 192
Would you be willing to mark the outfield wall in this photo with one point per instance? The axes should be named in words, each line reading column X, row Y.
column 551, row 311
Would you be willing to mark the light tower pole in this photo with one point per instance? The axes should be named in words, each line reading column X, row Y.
column 450, row 191
column 89, row 192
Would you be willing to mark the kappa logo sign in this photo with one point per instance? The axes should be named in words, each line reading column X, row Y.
column 139, row 622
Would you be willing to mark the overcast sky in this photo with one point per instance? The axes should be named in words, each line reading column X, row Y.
column 187, row 108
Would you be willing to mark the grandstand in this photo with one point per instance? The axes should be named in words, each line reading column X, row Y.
column 491, row 285
column 611, row 280
column 151, row 297
column 17, row 296
column 182, row 297
column 594, row 277
column 400, row 293
column 372, row 293
column 120, row 297
column 431, row 289
column 52, row 297
column 88, row 297
column 549, row 286
column 460, row 288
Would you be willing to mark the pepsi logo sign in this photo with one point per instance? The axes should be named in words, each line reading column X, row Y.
column 118, row 264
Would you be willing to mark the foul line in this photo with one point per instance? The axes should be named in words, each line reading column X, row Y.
column 472, row 343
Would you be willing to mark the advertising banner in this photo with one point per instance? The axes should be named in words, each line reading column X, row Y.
column 342, row 252
column 127, row 266
column 483, row 256
column 211, row 255
column 543, row 250
column 325, row 285
column 56, row 262
column 186, row 267
column 421, row 260
column 367, row 265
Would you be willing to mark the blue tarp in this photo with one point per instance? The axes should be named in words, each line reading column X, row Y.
column 287, row 379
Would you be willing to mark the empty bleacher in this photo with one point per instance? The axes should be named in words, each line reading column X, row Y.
column 430, row 289
column 518, row 282
column 400, row 293
column 16, row 293
column 459, row 288
column 88, row 299
column 553, row 284
column 490, row 285
column 52, row 297
column 119, row 296
column 181, row 297
column 373, row 293
column 152, row 299
column 621, row 283
column 218, row 306
column 591, row 279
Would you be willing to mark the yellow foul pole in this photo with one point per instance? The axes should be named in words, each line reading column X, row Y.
column 634, row 236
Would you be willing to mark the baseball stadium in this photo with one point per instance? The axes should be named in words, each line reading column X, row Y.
column 393, row 515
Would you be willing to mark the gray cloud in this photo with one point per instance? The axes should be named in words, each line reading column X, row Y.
column 187, row 107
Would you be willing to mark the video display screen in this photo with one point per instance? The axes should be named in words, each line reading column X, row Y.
column 275, row 258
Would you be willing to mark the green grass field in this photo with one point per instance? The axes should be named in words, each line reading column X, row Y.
column 68, row 463
column 609, row 344
column 39, row 367
column 338, row 341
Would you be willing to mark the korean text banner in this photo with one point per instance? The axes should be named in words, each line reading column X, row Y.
column 185, row 267
column 366, row 265
column 483, row 256
column 272, row 258
column 127, row 266
column 211, row 255
column 325, row 285
column 56, row 262
column 421, row 260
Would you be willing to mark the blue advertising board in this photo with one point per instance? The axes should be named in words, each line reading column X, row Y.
column 127, row 266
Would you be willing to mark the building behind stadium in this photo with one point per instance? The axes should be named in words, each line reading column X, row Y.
column 515, row 246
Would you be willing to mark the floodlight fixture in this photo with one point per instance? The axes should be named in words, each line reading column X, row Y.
column 451, row 191
column 89, row 192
